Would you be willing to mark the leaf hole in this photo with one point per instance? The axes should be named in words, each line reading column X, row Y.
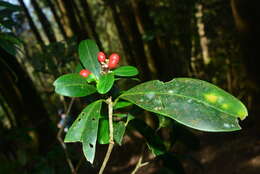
column 79, row 119
column 90, row 145
column 93, row 119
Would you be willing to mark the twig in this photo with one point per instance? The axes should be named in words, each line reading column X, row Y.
column 59, row 137
column 139, row 163
column 79, row 163
column 111, row 135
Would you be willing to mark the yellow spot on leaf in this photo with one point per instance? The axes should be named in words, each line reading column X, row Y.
column 224, row 106
column 242, row 114
column 211, row 98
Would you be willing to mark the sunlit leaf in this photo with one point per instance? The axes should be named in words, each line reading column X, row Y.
column 73, row 85
column 85, row 129
column 194, row 103
column 88, row 51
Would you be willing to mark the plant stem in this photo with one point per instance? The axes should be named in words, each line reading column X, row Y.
column 63, row 145
column 111, row 135
column 139, row 163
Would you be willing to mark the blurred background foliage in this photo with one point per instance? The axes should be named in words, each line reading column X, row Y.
column 207, row 39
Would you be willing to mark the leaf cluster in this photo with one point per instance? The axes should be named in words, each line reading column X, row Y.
column 190, row 102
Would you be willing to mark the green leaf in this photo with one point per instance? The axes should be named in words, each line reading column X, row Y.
column 73, row 85
column 122, row 104
column 126, row 71
column 103, row 132
column 119, row 131
column 78, row 68
column 85, row 129
column 154, row 142
column 88, row 51
column 105, row 83
column 194, row 103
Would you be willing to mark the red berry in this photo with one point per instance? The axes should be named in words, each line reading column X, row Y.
column 101, row 57
column 84, row 73
column 113, row 60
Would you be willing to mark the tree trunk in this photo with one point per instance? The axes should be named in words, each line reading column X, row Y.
column 74, row 25
column 182, row 46
column 31, row 23
column 126, row 16
column 19, row 93
column 122, row 34
column 47, row 28
column 90, row 21
column 153, row 52
column 64, row 17
column 202, row 34
column 57, row 18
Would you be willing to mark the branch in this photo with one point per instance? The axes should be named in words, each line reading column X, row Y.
column 111, row 135
column 63, row 145
column 139, row 163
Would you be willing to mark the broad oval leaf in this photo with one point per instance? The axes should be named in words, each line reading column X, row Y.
column 85, row 129
column 194, row 103
column 88, row 51
column 105, row 83
column 73, row 85
column 126, row 71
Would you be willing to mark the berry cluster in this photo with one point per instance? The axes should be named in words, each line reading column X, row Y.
column 109, row 63
column 106, row 64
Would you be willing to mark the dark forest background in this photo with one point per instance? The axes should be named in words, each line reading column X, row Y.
column 213, row 40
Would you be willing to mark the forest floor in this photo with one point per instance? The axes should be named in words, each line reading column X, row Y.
column 228, row 153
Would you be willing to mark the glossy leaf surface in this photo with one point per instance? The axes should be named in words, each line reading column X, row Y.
column 85, row 129
column 126, row 71
column 88, row 51
column 105, row 83
column 194, row 103
column 73, row 85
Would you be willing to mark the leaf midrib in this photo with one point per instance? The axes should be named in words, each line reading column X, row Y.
column 179, row 95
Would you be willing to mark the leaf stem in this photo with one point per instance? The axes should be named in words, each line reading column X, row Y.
column 111, row 135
